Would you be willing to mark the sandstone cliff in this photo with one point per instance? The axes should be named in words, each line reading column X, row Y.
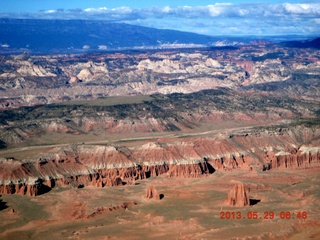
column 112, row 165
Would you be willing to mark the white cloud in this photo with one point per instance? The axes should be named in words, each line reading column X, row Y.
column 102, row 47
column 95, row 9
column 215, row 18
column 214, row 11
column 210, row 11
column 166, row 9
column 123, row 10
column 51, row 11
column 302, row 9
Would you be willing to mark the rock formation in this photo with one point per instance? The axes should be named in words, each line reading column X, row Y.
column 107, row 74
column 24, row 188
column 107, row 166
column 100, row 210
column 152, row 193
column 238, row 196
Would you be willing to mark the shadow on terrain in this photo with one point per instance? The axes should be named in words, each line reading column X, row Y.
column 254, row 201
column 44, row 189
column 148, row 174
column 3, row 205
column 209, row 166
column 81, row 185
column 161, row 196
column 2, row 144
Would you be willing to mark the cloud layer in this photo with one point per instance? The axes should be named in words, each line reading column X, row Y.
column 219, row 18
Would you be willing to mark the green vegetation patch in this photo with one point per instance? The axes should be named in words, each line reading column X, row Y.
column 109, row 101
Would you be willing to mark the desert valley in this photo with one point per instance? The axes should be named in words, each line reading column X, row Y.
column 215, row 142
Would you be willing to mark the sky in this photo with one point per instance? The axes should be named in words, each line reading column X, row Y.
column 231, row 17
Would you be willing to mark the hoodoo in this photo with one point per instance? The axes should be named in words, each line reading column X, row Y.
column 152, row 193
column 238, row 196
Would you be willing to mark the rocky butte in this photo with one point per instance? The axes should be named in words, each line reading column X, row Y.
column 238, row 196
column 152, row 193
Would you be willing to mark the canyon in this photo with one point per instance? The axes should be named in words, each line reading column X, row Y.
column 26, row 79
column 89, row 142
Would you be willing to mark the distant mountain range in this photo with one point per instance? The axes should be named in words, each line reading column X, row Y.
column 315, row 43
column 57, row 36
column 82, row 35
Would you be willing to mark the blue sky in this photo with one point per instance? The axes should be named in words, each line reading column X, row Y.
column 232, row 17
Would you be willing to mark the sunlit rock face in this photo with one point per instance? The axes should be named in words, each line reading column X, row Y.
column 64, row 77
column 238, row 196
column 152, row 193
column 111, row 165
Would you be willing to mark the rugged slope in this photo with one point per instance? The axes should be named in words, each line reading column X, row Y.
column 100, row 166
column 195, row 91
column 158, row 113
column 38, row 79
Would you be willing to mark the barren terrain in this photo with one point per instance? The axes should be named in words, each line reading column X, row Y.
column 26, row 80
column 164, row 144
column 190, row 209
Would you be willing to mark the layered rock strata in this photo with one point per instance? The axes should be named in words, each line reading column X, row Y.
column 98, row 166
column 23, row 77
column 103, row 166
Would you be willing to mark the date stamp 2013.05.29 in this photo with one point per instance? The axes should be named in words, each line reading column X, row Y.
column 265, row 215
